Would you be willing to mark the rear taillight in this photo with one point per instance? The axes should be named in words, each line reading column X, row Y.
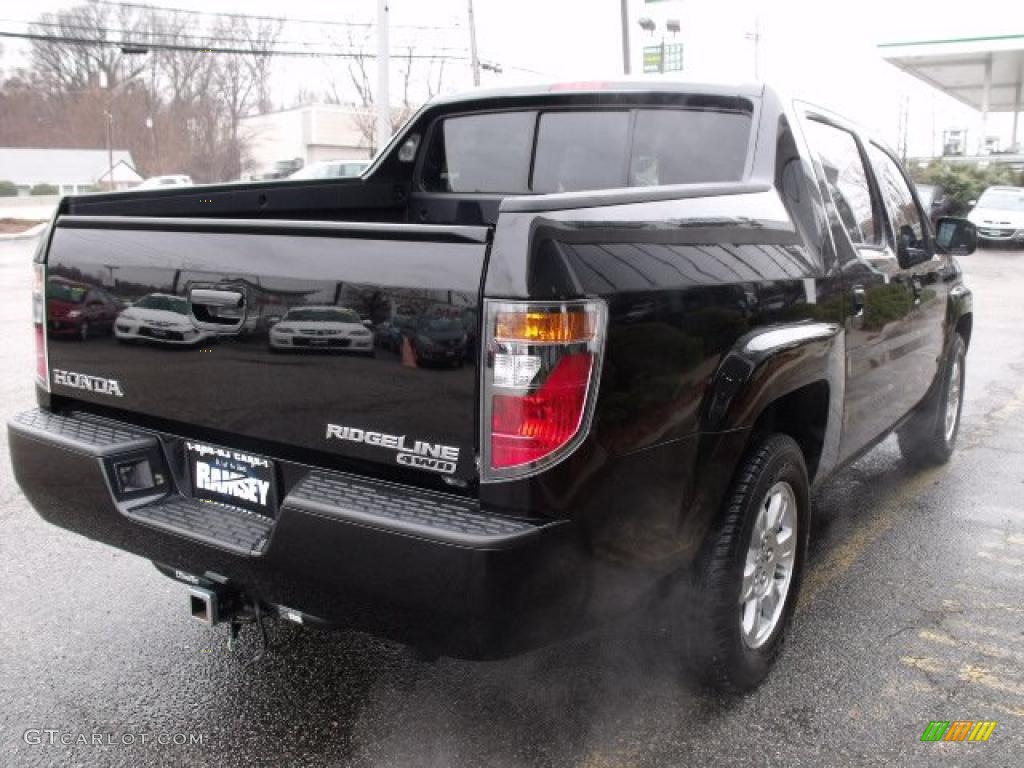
column 539, row 382
column 39, row 324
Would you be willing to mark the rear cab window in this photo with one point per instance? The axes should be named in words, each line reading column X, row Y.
column 480, row 153
column 567, row 150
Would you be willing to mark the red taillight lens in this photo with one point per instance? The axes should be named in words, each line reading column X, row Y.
column 525, row 428
column 539, row 381
column 42, row 374
column 39, row 323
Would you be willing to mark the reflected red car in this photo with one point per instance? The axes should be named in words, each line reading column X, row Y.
column 78, row 310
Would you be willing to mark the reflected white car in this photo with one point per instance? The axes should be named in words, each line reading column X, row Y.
column 160, row 318
column 312, row 328
column 331, row 169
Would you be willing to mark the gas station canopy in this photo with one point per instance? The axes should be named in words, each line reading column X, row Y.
column 985, row 73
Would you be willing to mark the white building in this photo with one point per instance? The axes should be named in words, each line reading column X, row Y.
column 70, row 170
column 310, row 133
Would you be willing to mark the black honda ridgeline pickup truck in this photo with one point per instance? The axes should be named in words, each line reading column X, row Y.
column 559, row 353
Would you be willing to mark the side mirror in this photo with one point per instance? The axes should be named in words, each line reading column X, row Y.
column 367, row 323
column 971, row 203
column 956, row 236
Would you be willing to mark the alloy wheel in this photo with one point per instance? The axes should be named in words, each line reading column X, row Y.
column 770, row 562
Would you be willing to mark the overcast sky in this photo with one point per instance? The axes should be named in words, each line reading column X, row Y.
column 823, row 51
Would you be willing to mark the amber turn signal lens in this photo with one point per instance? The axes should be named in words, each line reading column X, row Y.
column 538, row 327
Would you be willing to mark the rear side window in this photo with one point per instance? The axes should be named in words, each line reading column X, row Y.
column 586, row 149
column 847, row 180
column 480, row 153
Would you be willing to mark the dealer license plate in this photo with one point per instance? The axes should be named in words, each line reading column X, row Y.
column 232, row 477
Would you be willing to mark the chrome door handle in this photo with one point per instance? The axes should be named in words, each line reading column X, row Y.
column 217, row 309
column 211, row 297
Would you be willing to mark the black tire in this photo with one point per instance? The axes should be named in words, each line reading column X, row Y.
column 927, row 438
column 717, row 652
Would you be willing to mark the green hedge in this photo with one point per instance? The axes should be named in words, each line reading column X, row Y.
column 8, row 189
column 964, row 183
column 44, row 189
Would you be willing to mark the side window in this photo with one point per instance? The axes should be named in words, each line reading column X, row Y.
column 899, row 201
column 847, row 180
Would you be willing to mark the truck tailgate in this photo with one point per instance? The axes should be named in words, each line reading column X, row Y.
column 328, row 339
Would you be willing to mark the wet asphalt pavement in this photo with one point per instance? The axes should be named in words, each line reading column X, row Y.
column 912, row 610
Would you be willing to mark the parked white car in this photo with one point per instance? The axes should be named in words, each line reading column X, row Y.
column 155, row 182
column 999, row 215
column 310, row 328
column 161, row 318
column 331, row 169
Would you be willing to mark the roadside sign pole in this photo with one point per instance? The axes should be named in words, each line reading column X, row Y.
column 624, row 8
column 110, row 143
column 473, row 56
column 383, row 72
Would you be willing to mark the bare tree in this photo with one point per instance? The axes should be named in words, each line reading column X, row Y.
column 415, row 79
column 241, row 82
column 262, row 34
column 186, row 71
column 179, row 109
column 63, row 66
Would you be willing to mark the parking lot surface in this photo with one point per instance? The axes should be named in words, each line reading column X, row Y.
column 912, row 611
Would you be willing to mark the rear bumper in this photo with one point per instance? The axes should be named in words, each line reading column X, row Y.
column 1000, row 235
column 423, row 568
column 64, row 327
column 319, row 343
column 440, row 354
column 126, row 331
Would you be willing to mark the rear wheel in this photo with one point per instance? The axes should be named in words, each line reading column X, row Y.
column 930, row 436
column 746, row 583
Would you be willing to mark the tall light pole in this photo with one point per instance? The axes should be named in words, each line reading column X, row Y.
column 110, row 139
column 473, row 56
column 624, row 10
column 383, row 132
column 755, row 36
column 127, row 50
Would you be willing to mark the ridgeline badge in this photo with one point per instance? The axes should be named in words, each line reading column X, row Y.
column 433, row 457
